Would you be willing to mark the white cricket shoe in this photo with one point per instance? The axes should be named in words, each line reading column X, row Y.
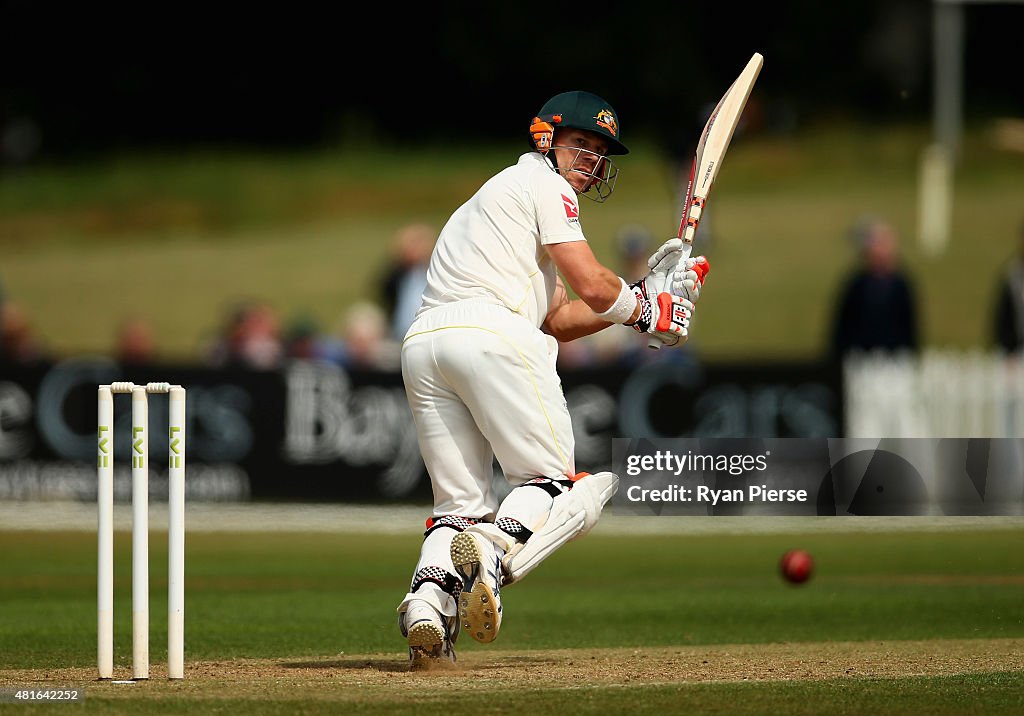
column 479, row 565
column 428, row 635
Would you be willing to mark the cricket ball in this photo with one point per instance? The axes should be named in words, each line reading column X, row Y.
column 796, row 566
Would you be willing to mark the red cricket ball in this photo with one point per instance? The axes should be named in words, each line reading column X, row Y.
column 796, row 566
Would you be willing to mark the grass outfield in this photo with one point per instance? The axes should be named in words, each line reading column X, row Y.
column 909, row 622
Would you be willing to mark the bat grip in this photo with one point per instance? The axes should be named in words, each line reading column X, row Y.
column 653, row 343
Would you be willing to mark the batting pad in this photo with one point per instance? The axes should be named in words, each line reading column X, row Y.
column 573, row 514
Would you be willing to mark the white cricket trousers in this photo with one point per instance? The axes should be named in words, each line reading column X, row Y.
column 482, row 384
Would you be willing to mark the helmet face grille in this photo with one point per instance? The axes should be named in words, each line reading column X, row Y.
column 600, row 179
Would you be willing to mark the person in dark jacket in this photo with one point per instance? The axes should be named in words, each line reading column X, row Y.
column 877, row 306
column 1008, row 323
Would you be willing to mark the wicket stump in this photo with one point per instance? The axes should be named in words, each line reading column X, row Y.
column 140, row 529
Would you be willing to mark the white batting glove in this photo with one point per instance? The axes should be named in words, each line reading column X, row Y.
column 677, row 323
column 688, row 278
column 662, row 263
column 667, row 317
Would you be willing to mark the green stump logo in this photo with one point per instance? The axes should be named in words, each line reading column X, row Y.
column 103, row 456
column 175, row 443
column 138, row 446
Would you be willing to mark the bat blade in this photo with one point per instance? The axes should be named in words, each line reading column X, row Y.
column 714, row 142
column 707, row 160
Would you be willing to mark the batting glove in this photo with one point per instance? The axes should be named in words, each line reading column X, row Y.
column 667, row 317
column 662, row 263
column 688, row 278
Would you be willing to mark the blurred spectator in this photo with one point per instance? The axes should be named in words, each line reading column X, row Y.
column 1008, row 323
column 134, row 343
column 304, row 340
column 251, row 339
column 18, row 344
column 635, row 244
column 877, row 305
column 406, row 276
column 365, row 341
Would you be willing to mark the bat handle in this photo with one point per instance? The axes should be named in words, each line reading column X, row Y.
column 653, row 343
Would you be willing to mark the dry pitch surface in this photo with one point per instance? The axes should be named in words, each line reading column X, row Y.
column 363, row 678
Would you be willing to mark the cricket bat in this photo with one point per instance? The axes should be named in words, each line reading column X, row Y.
column 714, row 140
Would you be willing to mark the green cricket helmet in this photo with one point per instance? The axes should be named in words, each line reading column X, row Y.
column 586, row 111
column 579, row 110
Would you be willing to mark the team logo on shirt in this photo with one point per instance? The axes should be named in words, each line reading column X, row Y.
column 572, row 212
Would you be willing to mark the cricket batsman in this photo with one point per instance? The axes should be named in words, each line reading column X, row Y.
column 478, row 364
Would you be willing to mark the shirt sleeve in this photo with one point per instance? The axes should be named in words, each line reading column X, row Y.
column 558, row 211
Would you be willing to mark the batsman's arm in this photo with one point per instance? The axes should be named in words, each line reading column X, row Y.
column 599, row 288
column 568, row 320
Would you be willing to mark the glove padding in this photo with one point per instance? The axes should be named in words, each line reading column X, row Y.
column 688, row 278
column 667, row 317
column 662, row 264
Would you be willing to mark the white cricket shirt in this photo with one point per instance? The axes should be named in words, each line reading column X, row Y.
column 492, row 247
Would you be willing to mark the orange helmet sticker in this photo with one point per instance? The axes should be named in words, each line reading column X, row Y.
column 542, row 132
